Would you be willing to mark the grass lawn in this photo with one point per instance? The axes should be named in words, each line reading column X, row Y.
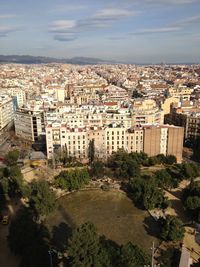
column 113, row 213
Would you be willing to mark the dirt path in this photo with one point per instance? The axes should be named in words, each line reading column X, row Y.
column 177, row 209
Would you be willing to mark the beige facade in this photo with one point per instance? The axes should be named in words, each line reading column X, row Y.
column 6, row 116
column 150, row 139
column 166, row 139
column 166, row 106
column 175, row 142
column 182, row 91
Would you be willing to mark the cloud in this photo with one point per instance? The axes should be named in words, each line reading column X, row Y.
column 112, row 14
column 105, row 18
column 170, row 2
column 188, row 21
column 158, row 30
column 65, row 29
column 67, row 8
column 116, row 38
column 62, row 26
column 5, row 30
column 7, row 16
column 65, row 37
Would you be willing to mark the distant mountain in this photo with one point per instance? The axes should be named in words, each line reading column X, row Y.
column 26, row 59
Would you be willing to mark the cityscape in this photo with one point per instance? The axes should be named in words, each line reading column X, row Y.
column 100, row 134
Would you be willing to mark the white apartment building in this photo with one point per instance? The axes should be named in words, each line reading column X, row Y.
column 150, row 139
column 18, row 94
column 6, row 116
column 59, row 137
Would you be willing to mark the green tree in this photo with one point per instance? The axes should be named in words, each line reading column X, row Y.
column 91, row 151
column 85, row 249
column 4, row 185
column 146, row 193
column 169, row 257
column 16, row 183
column 190, row 170
column 192, row 200
column 163, row 178
column 72, row 179
column 97, row 169
column 170, row 159
column 42, row 198
column 132, row 256
column 29, row 240
column 12, row 157
column 125, row 165
column 172, row 229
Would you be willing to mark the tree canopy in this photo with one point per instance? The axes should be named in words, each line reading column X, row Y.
column 72, row 179
column 42, row 199
column 12, row 157
column 29, row 240
column 192, row 200
column 86, row 248
column 172, row 229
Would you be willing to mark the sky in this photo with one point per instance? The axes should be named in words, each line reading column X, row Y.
column 137, row 31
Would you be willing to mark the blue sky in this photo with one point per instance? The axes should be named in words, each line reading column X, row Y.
column 127, row 30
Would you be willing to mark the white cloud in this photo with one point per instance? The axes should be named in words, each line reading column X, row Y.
column 5, row 30
column 62, row 25
column 113, row 14
column 158, row 30
column 101, row 19
column 188, row 21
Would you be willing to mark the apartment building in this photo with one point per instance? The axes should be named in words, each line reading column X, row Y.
column 180, row 91
column 151, row 139
column 187, row 117
column 18, row 93
column 6, row 116
column 29, row 124
column 164, row 139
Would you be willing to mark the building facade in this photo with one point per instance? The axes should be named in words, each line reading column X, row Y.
column 151, row 139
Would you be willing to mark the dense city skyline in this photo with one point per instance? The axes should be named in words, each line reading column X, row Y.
column 135, row 31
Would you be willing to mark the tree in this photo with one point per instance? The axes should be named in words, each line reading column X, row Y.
column 4, row 185
column 97, row 169
column 12, row 157
column 190, row 170
column 132, row 256
column 29, row 240
column 146, row 193
column 172, row 229
column 85, row 249
column 192, row 200
column 91, row 151
column 170, row 159
column 73, row 179
column 163, row 178
column 16, row 183
column 169, row 257
column 125, row 165
column 42, row 198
